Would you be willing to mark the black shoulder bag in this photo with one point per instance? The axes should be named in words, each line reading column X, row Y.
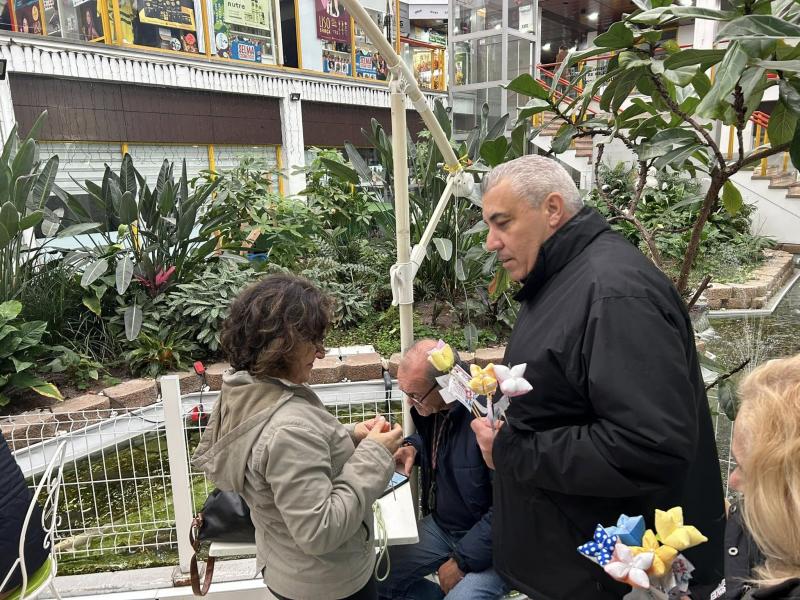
column 224, row 518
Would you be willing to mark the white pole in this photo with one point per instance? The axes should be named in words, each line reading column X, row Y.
column 401, row 71
column 178, row 467
column 403, row 227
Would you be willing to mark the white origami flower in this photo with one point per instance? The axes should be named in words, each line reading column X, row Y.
column 630, row 569
column 512, row 381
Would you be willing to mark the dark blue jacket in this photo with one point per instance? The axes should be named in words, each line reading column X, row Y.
column 463, row 497
column 15, row 497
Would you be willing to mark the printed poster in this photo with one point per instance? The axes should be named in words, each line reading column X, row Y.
column 249, row 13
column 337, row 62
column 28, row 14
column 52, row 20
column 177, row 14
column 333, row 21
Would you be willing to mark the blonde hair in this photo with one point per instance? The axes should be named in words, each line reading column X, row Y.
column 770, row 418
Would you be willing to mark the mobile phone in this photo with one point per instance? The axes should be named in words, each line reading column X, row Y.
column 396, row 481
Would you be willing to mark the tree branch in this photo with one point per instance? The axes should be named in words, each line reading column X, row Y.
column 756, row 157
column 728, row 375
column 673, row 106
column 699, row 291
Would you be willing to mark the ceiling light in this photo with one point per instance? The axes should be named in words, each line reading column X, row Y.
column 592, row 16
column 498, row 26
column 546, row 47
column 685, row 2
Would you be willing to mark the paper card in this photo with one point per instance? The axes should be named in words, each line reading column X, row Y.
column 443, row 381
column 458, row 387
column 447, row 396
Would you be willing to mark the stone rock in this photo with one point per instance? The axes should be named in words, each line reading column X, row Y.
column 81, row 411
column 214, row 375
column 25, row 429
column 738, row 303
column 327, row 370
column 189, row 381
column 701, row 345
column 717, row 291
column 363, row 367
column 484, row 356
column 759, row 302
column 742, row 292
column 394, row 363
column 132, row 394
column 714, row 304
column 466, row 357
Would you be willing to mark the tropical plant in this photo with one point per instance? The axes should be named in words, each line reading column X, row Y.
column 20, row 348
column 149, row 238
column 78, row 369
column 200, row 306
column 168, row 349
column 25, row 185
column 666, row 123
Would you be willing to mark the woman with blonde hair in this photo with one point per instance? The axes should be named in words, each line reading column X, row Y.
column 766, row 447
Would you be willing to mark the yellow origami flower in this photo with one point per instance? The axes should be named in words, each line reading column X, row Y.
column 483, row 380
column 662, row 555
column 672, row 532
column 442, row 357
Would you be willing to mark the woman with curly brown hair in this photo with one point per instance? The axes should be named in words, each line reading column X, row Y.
column 309, row 481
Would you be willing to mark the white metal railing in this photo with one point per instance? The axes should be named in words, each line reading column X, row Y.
column 118, row 489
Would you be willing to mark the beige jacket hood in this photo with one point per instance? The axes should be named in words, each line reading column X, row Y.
column 309, row 487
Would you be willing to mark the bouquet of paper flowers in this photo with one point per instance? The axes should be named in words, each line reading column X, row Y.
column 456, row 385
column 649, row 562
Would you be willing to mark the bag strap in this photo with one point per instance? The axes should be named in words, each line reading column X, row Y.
column 199, row 589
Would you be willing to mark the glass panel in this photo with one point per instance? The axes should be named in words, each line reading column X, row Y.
column 521, row 16
column 478, row 61
column 477, row 15
column 244, row 30
column 520, row 56
column 427, row 64
column 467, row 107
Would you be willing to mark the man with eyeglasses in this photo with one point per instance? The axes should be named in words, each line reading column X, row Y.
column 456, row 497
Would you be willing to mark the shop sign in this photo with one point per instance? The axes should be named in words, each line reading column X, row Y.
column 245, row 51
column 434, row 37
column 333, row 21
column 526, row 18
column 405, row 22
column 168, row 13
column 249, row 13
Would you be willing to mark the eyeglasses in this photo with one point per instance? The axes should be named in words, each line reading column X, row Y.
column 421, row 399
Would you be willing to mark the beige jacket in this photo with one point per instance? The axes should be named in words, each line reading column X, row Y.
column 309, row 488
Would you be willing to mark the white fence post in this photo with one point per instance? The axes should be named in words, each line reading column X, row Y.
column 178, row 467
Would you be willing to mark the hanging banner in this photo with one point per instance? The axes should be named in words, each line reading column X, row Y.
column 178, row 14
column 333, row 21
column 249, row 13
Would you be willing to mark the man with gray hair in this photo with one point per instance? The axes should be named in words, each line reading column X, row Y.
column 618, row 419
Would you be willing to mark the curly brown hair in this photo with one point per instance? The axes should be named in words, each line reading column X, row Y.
column 268, row 319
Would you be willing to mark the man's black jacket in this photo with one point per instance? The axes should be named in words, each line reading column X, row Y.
column 463, row 484
column 617, row 421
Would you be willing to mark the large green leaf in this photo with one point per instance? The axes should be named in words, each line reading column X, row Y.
column 444, row 247
column 128, row 211
column 127, row 175
column 790, row 95
column 93, row 272
column 731, row 198
column 31, row 220
column 728, row 399
column 526, row 85
column 9, row 217
column 44, row 183
column 728, row 74
column 23, row 161
column 5, row 238
column 794, row 149
column 36, row 128
column 471, row 337
column 10, row 310
column 340, row 171
column 133, row 321
column 673, row 135
column 494, row 151
column 618, row 36
column 78, row 229
column 358, row 162
column 675, row 158
column 782, row 125
column 563, row 140
column 92, row 302
column 692, row 56
column 758, row 26
column 124, row 273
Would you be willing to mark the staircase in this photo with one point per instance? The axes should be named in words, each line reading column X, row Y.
column 780, row 179
column 578, row 157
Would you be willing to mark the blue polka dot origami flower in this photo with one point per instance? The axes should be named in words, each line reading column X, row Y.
column 600, row 548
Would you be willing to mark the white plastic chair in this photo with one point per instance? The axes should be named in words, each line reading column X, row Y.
column 50, row 485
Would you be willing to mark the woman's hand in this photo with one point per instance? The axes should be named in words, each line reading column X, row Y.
column 390, row 439
column 362, row 429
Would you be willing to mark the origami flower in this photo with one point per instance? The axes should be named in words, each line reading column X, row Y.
column 512, row 381
column 442, row 357
column 629, row 530
column 483, row 380
column 600, row 548
column 662, row 555
column 630, row 569
column 672, row 532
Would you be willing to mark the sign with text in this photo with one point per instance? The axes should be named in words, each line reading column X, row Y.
column 178, row 14
column 249, row 13
column 333, row 21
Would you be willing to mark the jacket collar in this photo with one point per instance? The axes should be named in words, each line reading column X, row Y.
column 561, row 247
